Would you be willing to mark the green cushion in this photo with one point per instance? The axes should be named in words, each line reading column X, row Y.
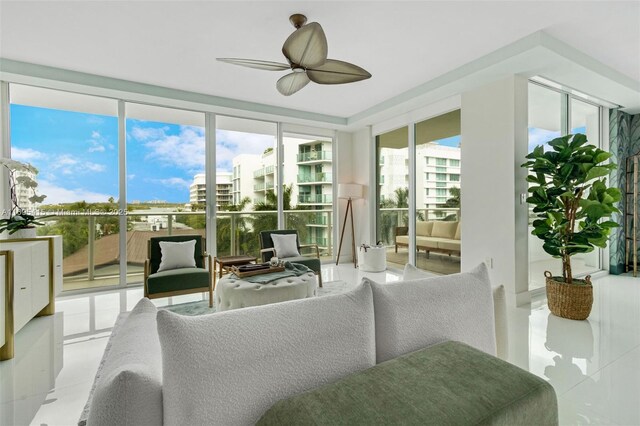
column 446, row 384
column 177, row 279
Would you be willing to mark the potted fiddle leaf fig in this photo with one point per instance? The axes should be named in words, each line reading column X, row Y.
column 571, row 202
column 21, row 224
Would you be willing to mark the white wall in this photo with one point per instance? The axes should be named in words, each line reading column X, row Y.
column 494, row 223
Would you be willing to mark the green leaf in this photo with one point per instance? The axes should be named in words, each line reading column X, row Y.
column 596, row 172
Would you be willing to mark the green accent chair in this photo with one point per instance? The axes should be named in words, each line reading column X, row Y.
column 267, row 251
column 175, row 282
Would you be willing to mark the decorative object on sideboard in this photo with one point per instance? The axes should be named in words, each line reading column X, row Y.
column 568, row 190
column 306, row 53
column 350, row 192
column 20, row 224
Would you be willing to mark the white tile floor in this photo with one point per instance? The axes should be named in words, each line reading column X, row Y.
column 594, row 365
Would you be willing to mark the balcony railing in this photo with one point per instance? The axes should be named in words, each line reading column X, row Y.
column 315, row 198
column 258, row 186
column 92, row 241
column 315, row 178
column 390, row 218
column 314, row 156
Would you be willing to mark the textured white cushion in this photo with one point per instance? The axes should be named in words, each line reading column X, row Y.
column 129, row 386
column 177, row 255
column 499, row 309
column 286, row 245
column 230, row 367
column 411, row 315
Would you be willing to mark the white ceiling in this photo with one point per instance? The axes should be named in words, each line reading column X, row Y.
column 403, row 44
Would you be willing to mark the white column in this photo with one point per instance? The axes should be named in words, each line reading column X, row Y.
column 494, row 143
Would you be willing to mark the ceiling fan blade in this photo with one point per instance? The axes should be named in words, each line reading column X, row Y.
column 255, row 63
column 306, row 46
column 337, row 72
column 291, row 83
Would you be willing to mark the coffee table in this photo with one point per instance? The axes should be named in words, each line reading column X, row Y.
column 225, row 263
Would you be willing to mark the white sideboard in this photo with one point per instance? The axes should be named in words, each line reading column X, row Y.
column 30, row 288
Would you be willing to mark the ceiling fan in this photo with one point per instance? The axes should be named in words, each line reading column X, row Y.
column 306, row 51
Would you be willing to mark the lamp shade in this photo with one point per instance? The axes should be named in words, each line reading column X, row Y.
column 349, row 190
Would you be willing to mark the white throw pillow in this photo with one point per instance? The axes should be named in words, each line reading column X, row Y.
column 177, row 255
column 499, row 309
column 286, row 245
column 412, row 315
column 230, row 367
column 128, row 388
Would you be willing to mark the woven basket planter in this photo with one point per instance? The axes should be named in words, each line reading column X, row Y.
column 573, row 301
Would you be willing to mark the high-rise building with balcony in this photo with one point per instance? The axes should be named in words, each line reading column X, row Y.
column 437, row 172
column 198, row 190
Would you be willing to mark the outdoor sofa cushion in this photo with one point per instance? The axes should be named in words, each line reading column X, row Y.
column 446, row 384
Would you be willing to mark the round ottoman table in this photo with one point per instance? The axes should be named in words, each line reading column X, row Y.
column 234, row 293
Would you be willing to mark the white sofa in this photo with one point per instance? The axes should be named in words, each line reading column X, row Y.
column 228, row 368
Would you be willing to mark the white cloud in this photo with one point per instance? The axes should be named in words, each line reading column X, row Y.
column 26, row 154
column 131, row 176
column 145, row 133
column 230, row 144
column 68, row 165
column 173, row 181
column 94, row 167
column 96, row 141
column 57, row 195
column 185, row 150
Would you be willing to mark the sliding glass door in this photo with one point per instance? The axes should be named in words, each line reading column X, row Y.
column 553, row 113
column 165, row 176
column 392, row 194
column 72, row 140
column 438, row 189
column 246, row 190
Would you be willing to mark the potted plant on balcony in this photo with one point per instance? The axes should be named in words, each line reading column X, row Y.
column 20, row 224
column 570, row 197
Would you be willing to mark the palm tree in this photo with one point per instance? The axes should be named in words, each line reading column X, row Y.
column 241, row 228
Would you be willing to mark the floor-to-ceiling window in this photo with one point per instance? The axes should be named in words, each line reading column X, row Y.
column 110, row 188
column 165, row 176
column 246, row 163
column 72, row 140
column 553, row 113
column 437, row 193
column 392, row 194
column 308, row 189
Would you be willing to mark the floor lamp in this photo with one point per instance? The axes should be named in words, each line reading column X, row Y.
column 350, row 192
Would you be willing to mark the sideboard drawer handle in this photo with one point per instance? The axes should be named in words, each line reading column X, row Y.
column 42, row 276
column 23, row 288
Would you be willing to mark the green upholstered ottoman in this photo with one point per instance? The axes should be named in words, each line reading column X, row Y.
column 446, row 384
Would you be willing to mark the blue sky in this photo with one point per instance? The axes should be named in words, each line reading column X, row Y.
column 77, row 154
